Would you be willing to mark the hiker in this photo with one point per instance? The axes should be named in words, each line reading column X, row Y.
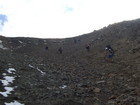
column 46, row 48
column 109, row 52
column 75, row 41
column 88, row 47
column 60, row 50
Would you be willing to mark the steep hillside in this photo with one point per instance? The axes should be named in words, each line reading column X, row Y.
column 30, row 74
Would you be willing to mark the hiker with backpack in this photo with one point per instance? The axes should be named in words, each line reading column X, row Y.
column 88, row 47
column 109, row 52
column 60, row 50
column 46, row 48
column 75, row 41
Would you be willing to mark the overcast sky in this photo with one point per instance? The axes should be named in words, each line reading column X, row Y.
column 62, row 18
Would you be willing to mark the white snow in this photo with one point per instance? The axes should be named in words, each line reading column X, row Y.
column 13, row 103
column 4, row 74
column 63, row 87
column 7, row 92
column 31, row 66
column 11, row 70
column 1, row 45
column 20, row 42
column 7, row 80
column 0, row 41
column 42, row 73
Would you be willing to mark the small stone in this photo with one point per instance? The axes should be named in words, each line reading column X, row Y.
column 111, row 102
column 97, row 90
column 138, row 99
column 96, row 104
column 112, row 97
column 98, row 82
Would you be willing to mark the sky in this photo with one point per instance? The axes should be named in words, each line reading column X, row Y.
column 62, row 18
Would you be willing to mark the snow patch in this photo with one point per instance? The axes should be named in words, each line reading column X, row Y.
column 42, row 73
column 31, row 66
column 63, row 87
column 20, row 42
column 4, row 74
column 13, row 103
column 8, row 80
column 1, row 46
column 0, row 41
column 11, row 70
column 7, row 92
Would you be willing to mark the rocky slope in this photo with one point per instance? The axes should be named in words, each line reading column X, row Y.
column 37, row 76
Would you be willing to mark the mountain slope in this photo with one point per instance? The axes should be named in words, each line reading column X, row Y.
column 75, row 77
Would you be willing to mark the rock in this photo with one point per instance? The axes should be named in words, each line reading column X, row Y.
column 129, row 89
column 17, row 94
column 111, row 102
column 112, row 97
column 97, row 90
column 138, row 99
column 96, row 104
column 98, row 82
column 130, row 99
column 111, row 75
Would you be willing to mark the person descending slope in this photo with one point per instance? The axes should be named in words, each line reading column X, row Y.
column 75, row 41
column 109, row 52
column 60, row 50
column 46, row 48
column 88, row 47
